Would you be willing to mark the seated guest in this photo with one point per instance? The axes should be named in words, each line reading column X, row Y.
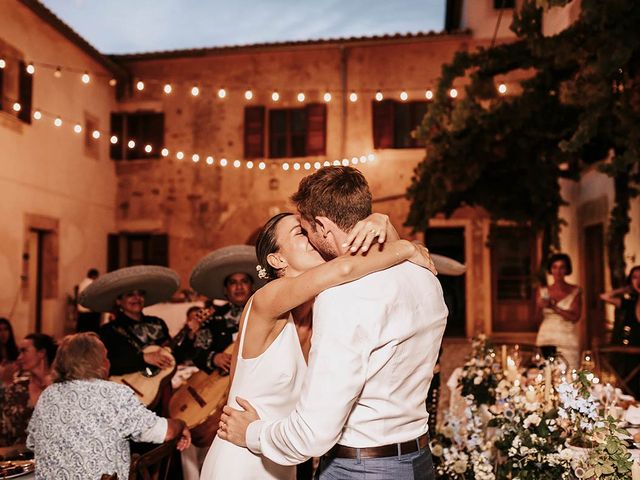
column 82, row 423
column 17, row 399
column 184, row 349
column 626, row 329
column 8, row 351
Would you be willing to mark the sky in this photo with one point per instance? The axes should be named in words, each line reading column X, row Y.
column 128, row 26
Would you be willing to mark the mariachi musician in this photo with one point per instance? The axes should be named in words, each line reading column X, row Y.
column 125, row 292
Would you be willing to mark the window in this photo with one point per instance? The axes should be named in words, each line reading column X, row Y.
column 144, row 128
column 293, row 132
column 500, row 4
column 394, row 121
column 129, row 249
column 25, row 91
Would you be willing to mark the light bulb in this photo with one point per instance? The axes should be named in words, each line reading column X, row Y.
column 86, row 78
column 195, row 91
column 237, row 163
column 223, row 162
column 296, row 166
column 209, row 160
column 57, row 122
column 37, row 115
column 113, row 139
column 428, row 95
column 336, row 163
column 327, row 97
column 249, row 164
column 453, row 93
column 95, row 134
column 113, row 82
column 275, row 96
column 77, row 128
column 179, row 155
column 345, row 162
column 131, row 144
column 355, row 160
column 262, row 165
column 285, row 166
column 317, row 165
column 195, row 158
column 168, row 88
column 3, row 63
column 140, row 85
column 379, row 96
column 248, row 94
column 164, row 152
column 31, row 69
column 326, row 163
column 502, row 88
column 371, row 157
column 404, row 96
column 17, row 107
column 222, row 93
column 307, row 166
column 301, row 97
column 353, row 97
column 148, row 148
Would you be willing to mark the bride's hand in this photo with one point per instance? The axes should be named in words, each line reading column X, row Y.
column 422, row 258
column 363, row 234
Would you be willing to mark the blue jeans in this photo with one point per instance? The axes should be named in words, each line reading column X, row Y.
column 410, row 466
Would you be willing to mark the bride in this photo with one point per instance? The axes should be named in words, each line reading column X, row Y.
column 269, row 362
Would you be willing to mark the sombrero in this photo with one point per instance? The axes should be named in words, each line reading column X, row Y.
column 447, row 266
column 207, row 277
column 158, row 283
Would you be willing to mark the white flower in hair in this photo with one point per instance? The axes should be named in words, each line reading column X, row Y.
column 262, row 272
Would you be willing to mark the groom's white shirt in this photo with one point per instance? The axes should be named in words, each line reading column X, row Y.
column 375, row 343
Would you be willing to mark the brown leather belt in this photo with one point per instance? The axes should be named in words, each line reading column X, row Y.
column 392, row 450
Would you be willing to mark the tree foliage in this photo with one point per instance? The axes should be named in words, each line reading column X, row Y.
column 578, row 104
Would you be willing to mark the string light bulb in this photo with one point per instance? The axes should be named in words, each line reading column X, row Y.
column 209, row 160
column 222, row 93
column 307, row 166
column 3, row 63
column 354, row 160
column 179, row 155
column 95, row 134
column 296, row 166
column 379, row 96
column 113, row 82
column 37, row 115
column 223, row 162
column 131, row 144
column 16, row 107
column 195, row 158
column 249, row 164
column 168, row 88
column 428, row 95
column 301, row 97
column 353, row 97
column 371, row 157
column 113, row 140
column 453, row 93
column 262, row 165
column 336, row 163
column 164, row 152
column 57, row 122
column 248, row 94
column 345, row 162
column 148, row 148
column 195, row 91
column 285, row 166
column 77, row 128
column 275, row 96
column 502, row 88
column 327, row 97
column 237, row 163
column 317, row 165
column 31, row 69
column 404, row 96
column 85, row 78
column 140, row 85
column 326, row 163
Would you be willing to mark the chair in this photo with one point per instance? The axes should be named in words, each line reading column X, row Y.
column 106, row 476
column 160, row 457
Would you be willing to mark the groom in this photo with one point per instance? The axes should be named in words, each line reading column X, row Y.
column 375, row 343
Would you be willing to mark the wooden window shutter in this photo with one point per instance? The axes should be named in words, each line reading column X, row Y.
column 158, row 253
column 316, row 129
column 113, row 252
column 254, row 132
column 25, row 94
column 383, row 123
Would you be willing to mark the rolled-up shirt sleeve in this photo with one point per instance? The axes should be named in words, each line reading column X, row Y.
column 335, row 378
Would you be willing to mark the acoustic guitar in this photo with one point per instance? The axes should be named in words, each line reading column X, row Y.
column 146, row 383
column 203, row 395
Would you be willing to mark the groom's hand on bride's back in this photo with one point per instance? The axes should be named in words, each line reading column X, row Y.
column 234, row 423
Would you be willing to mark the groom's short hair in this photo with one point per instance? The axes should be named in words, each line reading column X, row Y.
column 339, row 193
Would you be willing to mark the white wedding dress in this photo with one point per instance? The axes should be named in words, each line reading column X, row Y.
column 555, row 330
column 272, row 383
